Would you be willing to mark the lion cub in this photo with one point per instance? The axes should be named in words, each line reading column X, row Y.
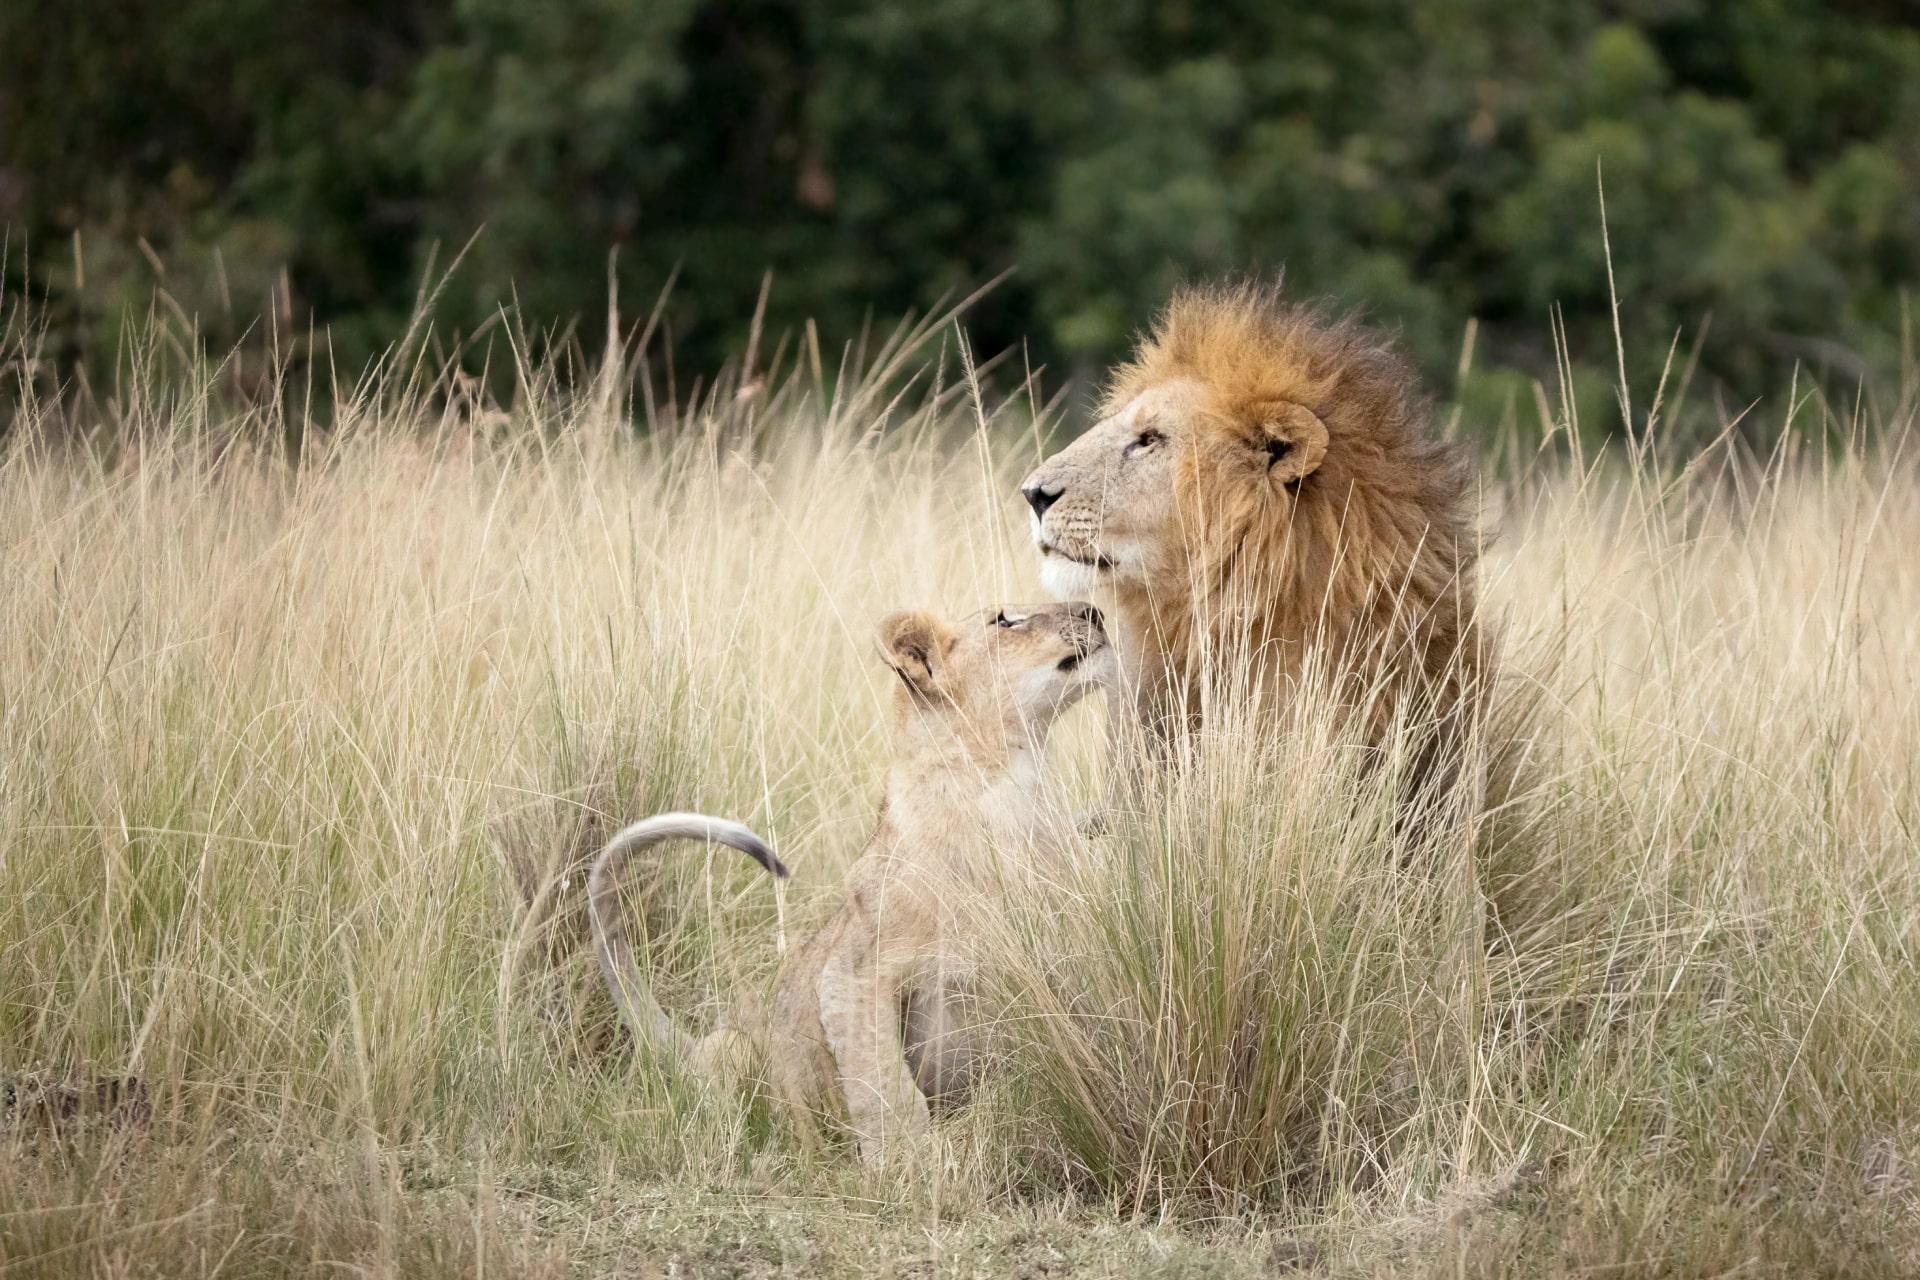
column 869, row 1018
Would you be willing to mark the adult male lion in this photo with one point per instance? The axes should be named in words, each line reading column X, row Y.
column 1265, row 485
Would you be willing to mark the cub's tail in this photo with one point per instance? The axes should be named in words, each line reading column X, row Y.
column 642, row 1012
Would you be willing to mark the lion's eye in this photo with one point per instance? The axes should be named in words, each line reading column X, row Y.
column 1145, row 440
column 1002, row 620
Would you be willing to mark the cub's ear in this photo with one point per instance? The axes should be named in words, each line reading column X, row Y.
column 915, row 645
column 1295, row 441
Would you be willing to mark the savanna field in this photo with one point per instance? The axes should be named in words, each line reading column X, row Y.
column 307, row 733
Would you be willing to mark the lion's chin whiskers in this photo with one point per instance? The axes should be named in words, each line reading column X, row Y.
column 1065, row 579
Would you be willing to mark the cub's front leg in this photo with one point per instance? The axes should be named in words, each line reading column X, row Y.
column 862, row 990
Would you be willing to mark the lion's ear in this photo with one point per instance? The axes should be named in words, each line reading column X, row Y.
column 915, row 645
column 1295, row 441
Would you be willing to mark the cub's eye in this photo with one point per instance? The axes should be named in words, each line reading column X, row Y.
column 1142, row 442
column 1002, row 620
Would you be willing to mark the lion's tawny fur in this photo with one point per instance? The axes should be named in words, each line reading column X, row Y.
column 1367, row 558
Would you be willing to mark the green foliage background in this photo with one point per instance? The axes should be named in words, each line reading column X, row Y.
column 1432, row 162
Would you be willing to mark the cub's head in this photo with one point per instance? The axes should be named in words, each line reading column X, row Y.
column 999, row 677
column 1238, row 415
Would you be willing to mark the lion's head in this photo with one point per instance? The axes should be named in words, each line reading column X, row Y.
column 1263, row 469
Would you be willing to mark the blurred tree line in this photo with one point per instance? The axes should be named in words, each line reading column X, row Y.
column 1434, row 163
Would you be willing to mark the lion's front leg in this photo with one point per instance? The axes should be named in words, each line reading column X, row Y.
column 861, row 990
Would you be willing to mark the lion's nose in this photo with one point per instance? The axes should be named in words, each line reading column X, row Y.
column 1039, row 497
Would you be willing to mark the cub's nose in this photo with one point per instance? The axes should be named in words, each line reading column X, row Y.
column 1087, row 614
column 1039, row 497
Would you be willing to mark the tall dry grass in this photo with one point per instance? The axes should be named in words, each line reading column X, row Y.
column 302, row 747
